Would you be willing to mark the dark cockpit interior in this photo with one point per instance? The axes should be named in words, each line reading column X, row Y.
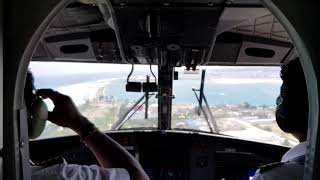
column 172, row 154
column 168, row 35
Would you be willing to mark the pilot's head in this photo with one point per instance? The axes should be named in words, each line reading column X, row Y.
column 37, row 111
column 292, row 103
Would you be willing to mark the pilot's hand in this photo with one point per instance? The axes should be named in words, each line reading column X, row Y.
column 65, row 112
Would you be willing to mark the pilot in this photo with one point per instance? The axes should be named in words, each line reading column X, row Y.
column 292, row 117
column 115, row 161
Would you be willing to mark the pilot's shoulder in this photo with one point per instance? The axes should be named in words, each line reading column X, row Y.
column 261, row 172
column 270, row 166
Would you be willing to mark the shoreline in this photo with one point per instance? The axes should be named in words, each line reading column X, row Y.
column 81, row 92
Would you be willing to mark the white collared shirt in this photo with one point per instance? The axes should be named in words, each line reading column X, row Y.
column 288, row 171
column 298, row 150
column 66, row 171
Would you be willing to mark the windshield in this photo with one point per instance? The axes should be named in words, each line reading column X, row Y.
column 235, row 101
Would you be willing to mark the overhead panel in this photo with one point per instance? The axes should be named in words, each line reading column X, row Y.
column 239, row 49
column 184, row 32
column 251, row 36
column 64, row 47
column 259, row 53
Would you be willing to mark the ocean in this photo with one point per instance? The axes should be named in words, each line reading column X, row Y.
column 256, row 94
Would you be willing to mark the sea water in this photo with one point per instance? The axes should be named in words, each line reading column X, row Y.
column 256, row 94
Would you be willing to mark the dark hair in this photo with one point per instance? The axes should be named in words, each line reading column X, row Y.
column 29, row 89
column 295, row 97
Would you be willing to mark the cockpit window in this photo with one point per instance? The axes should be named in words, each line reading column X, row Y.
column 100, row 94
column 235, row 101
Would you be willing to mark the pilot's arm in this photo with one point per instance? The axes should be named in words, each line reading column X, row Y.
column 108, row 152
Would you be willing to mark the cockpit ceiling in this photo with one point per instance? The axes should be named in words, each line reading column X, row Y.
column 243, row 32
column 265, row 27
column 258, row 22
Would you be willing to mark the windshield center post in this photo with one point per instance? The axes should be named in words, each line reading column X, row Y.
column 165, row 76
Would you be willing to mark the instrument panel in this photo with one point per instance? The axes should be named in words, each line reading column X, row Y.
column 170, row 155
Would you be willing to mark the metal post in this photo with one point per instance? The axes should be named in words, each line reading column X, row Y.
column 165, row 96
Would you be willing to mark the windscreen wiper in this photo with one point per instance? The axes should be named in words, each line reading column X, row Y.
column 127, row 116
column 206, row 111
